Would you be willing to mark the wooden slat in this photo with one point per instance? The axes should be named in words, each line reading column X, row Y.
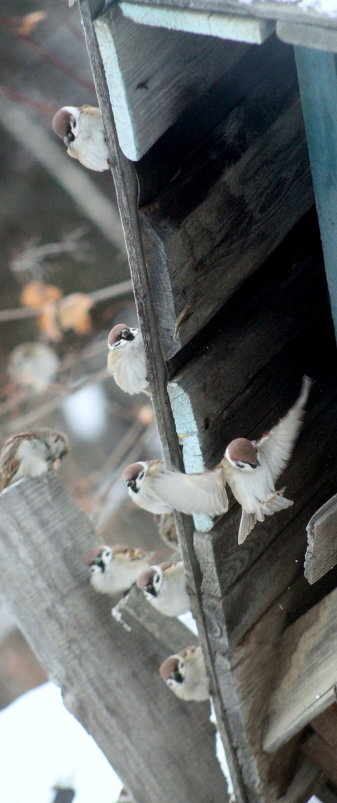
column 313, row 36
column 326, row 725
column 308, row 673
column 194, row 269
column 318, row 88
column 109, row 678
column 321, row 554
column 223, row 26
column 127, row 195
column 153, row 74
column 262, row 9
column 322, row 754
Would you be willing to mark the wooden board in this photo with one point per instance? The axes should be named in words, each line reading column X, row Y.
column 322, row 754
column 313, row 36
column 262, row 9
column 153, row 74
column 318, row 88
column 326, row 725
column 194, row 267
column 307, row 675
column 109, row 678
column 223, row 26
column 321, row 554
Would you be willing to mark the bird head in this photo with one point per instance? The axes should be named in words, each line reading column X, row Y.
column 134, row 476
column 242, row 454
column 150, row 581
column 99, row 558
column 57, row 446
column 65, row 123
column 172, row 670
column 120, row 335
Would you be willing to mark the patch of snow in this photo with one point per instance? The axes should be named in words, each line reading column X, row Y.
column 42, row 744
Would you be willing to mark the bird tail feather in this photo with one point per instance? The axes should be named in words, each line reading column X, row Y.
column 248, row 521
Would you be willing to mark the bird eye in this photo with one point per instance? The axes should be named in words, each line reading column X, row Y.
column 240, row 464
column 106, row 553
column 93, row 569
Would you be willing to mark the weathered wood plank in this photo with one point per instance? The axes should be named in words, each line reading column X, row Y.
column 327, row 795
column 326, row 725
column 127, row 195
column 262, row 9
column 322, row 754
column 153, row 74
column 321, row 554
column 318, row 89
column 195, row 267
column 295, row 33
column 223, row 26
column 109, row 678
column 307, row 676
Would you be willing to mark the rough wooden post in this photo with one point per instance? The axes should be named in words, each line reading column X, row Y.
column 109, row 678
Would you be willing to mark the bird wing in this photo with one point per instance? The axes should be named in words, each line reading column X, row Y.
column 247, row 522
column 277, row 445
column 193, row 493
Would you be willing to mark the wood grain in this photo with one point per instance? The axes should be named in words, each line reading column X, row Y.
column 153, row 74
column 326, row 725
column 322, row 754
column 307, row 675
column 227, row 210
column 321, row 554
column 109, row 678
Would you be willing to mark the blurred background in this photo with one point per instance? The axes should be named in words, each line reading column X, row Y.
column 64, row 283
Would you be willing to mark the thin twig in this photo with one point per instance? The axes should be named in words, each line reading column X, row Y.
column 112, row 291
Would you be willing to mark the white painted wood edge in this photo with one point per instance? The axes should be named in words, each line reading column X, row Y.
column 223, row 26
column 187, row 431
column 302, row 34
column 115, row 83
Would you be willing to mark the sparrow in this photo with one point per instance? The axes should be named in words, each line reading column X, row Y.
column 252, row 467
column 33, row 365
column 126, row 359
column 31, row 454
column 114, row 569
column 164, row 587
column 185, row 674
column 159, row 490
column 81, row 129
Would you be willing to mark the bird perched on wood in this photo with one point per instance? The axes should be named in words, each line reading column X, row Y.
column 164, row 587
column 126, row 359
column 31, row 454
column 81, row 129
column 114, row 569
column 159, row 490
column 252, row 467
column 185, row 674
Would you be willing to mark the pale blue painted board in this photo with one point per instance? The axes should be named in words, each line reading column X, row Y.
column 318, row 89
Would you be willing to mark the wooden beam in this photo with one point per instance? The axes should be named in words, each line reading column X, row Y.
column 322, row 754
column 318, row 89
column 223, row 26
column 296, row 33
column 153, row 74
column 321, row 554
column 326, row 725
column 306, row 681
column 194, row 270
column 109, row 678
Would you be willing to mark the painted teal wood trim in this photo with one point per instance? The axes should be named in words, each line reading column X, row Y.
column 187, row 430
column 318, row 89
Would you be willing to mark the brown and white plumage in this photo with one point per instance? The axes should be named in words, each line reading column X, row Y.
column 81, row 129
column 114, row 569
column 31, row 454
column 252, row 467
column 126, row 359
column 185, row 674
column 160, row 490
column 164, row 587
column 167, row 530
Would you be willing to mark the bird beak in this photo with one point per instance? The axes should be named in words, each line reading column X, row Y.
column 56, row 463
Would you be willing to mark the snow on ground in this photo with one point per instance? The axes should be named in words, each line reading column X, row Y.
column 42, row 744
